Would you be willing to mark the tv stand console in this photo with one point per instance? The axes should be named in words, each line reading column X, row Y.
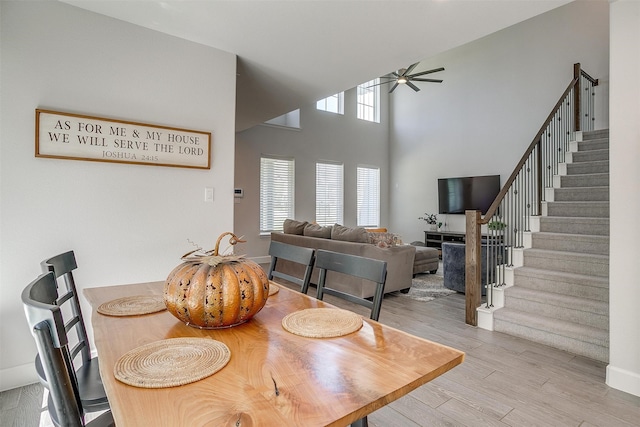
column 434, row 239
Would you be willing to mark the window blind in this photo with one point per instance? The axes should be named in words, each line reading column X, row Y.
column 276, row 193
column 329, row 193
column 368, row 196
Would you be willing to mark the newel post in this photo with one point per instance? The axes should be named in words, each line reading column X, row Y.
column 473, row 267
column 577, row 94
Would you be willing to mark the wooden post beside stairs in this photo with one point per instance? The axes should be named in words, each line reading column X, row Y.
column 473, row 267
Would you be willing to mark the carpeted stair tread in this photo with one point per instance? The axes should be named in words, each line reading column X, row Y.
column 580, row 194
column 583, row 180
column 592, row 287
column 595, row 134
column 566, row 255
column 587, row 156
column 577, row 339
column 575, row 309
column 572, row 225
column 571, row 262
column 593, row 144
column 585, row 168
column 577, row 209
column 559, row 327
column 581, row 243
column 563, row 276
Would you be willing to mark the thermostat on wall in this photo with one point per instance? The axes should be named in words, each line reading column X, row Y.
column 238, row 192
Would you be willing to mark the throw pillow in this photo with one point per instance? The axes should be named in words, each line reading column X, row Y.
column 291, row 226
column 358, row 234
column 382, row 239
column 315, row 230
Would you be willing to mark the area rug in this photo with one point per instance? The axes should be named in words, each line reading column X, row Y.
column 427, row 287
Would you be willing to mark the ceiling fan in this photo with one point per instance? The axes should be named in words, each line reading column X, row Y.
column 404, row 76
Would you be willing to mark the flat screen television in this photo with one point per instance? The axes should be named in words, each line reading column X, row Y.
column 456, row 195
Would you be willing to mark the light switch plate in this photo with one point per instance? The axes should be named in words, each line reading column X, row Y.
column 208, row 194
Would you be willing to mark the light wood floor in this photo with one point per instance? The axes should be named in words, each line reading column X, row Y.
column 504, row 381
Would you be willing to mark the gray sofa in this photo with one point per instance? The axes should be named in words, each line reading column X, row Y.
column 399, row 262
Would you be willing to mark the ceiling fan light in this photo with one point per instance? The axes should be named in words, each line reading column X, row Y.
column 402, row 80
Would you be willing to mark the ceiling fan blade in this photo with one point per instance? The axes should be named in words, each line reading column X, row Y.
column 426, row 80
column 381, row 83
column 435, row 70
column 412, row 86
column 394, row 87
column 395, row 74
column 410, row 69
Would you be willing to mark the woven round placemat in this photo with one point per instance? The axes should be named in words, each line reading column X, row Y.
column 171, row 362
column 322, row 322
column 133, row 305
column 273, row 288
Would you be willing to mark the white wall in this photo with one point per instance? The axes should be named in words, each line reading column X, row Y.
column 323, row 136
column 497, row 91
column 126, row 223
column 623, row 371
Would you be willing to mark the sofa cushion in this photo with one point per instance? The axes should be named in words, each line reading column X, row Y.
column 347, row 234
column 315, row 230
column 291, row 226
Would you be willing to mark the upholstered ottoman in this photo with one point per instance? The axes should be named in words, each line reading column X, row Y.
column 453, row 266
column 427, row 259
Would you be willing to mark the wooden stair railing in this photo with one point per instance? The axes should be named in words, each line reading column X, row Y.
column 522, row 195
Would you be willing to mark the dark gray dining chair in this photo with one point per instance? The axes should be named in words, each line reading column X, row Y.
column 47, row 326
column 92, row 393
column 373, row 270
column 296, row 254
column 370, row 269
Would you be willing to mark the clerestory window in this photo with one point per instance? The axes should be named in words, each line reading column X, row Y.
column 332, row 104
column 368, row 101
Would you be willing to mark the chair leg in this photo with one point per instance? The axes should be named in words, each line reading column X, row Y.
column 362, row 422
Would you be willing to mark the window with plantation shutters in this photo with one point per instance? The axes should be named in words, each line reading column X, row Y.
column 276, row 192
column 368, row 196
column 329, row 193
column 368, row 101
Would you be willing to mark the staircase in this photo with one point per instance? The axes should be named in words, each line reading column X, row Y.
column 560, row 293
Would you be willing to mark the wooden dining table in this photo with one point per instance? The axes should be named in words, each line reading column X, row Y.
column 273, row 377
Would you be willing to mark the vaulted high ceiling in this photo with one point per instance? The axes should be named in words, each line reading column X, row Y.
column 292, row 53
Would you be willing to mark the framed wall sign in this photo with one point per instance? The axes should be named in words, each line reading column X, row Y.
column 78, row 137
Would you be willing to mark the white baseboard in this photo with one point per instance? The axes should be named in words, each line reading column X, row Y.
column 623, row 380
column 18, row 376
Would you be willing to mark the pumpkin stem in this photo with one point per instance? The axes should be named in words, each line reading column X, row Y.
column 232, row 241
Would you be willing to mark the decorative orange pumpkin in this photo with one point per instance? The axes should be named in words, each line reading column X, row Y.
column 211, row 291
